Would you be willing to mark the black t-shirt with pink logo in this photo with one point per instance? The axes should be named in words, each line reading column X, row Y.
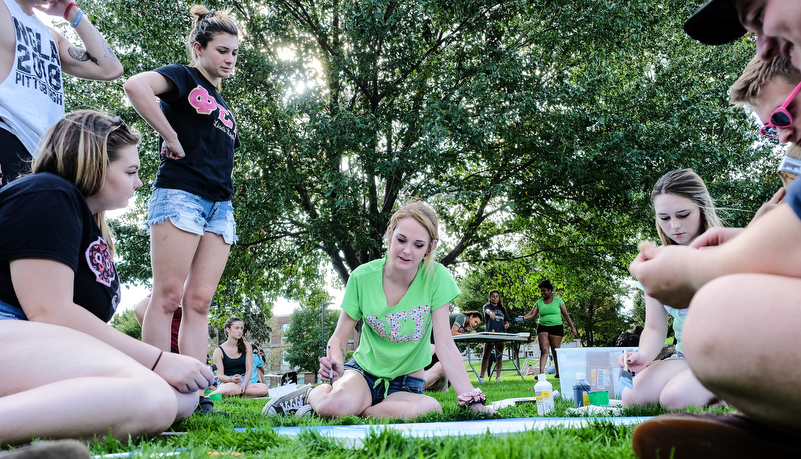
column 45, row 216
column 208, row 134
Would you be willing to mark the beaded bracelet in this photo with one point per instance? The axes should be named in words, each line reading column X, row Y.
column 77, row 19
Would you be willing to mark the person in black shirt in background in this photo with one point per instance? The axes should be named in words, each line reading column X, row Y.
column 497, row 320
column 55, row 236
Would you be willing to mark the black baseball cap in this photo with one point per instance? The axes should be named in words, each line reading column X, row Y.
column 716, row 23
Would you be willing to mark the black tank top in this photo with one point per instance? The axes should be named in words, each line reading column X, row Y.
column 233, row 366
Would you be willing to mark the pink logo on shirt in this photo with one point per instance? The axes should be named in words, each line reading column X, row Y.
column 98, row 257
column 205, row 104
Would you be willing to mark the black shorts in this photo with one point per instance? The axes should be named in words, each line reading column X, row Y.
column 555, row 330
column 14, row 158
column 434, row 360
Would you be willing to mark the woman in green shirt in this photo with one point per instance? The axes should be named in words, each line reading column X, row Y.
column 550, row 329
column 402, row 299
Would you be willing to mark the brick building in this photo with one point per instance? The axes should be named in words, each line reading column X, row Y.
column 275, row 349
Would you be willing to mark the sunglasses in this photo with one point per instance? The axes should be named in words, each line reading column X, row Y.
column 119, row 123
column 780, row 118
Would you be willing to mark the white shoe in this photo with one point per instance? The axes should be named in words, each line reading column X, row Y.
column 287, row 403
column 305, row 410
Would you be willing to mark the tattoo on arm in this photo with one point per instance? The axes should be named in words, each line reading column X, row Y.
column 110, row 53
column 81, row 55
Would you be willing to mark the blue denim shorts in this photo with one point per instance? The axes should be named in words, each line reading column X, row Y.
column 8, row 312
column 403, row 383
column 191, row 213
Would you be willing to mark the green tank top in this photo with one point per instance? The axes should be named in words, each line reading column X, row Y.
column 550, row 314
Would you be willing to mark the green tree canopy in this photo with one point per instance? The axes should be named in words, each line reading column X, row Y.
column 534, row 128
column 305, row 335
column 126, row 322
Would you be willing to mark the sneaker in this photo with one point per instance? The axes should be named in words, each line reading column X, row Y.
column 705, row 435
column 206, row 406
column 305, row 410
column 497, row 379
column 62, row 449
column 480, row 380
column 287, row 403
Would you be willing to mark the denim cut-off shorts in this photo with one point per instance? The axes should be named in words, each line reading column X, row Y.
column 191, row 213
column 8, row 312
column 404, row 383
column 675, row 356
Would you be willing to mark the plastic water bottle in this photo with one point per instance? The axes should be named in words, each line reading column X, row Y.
column 543, row 391
column 581, row 390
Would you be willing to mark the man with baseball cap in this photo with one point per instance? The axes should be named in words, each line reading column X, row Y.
column 742, row 333
column 776, row 24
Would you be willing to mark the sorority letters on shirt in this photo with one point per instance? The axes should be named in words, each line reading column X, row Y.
column 395, row 320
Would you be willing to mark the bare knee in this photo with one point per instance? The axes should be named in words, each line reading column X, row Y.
column 335, row 404
column 427, row 406
column 163, row 411
column 152, row 410
column 229, row 389
column 434, row 372
column 672, row 401
column 187, row 403
column 627, row 397
column 706, row 339
column 635, row 397
column 257, row 390
column 685, row 396
column 198, row 302
column 170, row 299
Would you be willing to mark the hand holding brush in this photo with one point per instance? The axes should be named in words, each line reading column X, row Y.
column 626, row 376
column 327, row 365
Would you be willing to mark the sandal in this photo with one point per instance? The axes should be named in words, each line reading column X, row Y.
column 705, row 435
column 206, row 406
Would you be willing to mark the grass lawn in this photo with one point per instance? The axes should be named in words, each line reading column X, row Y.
column 209, row 436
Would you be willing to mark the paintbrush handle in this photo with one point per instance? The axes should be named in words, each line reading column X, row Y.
column 330, row 362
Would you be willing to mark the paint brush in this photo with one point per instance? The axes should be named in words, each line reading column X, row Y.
column 626, row 376
column 790, row 167
column 331, row 362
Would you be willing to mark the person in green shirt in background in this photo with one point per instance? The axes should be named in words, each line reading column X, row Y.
column 550, row 329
